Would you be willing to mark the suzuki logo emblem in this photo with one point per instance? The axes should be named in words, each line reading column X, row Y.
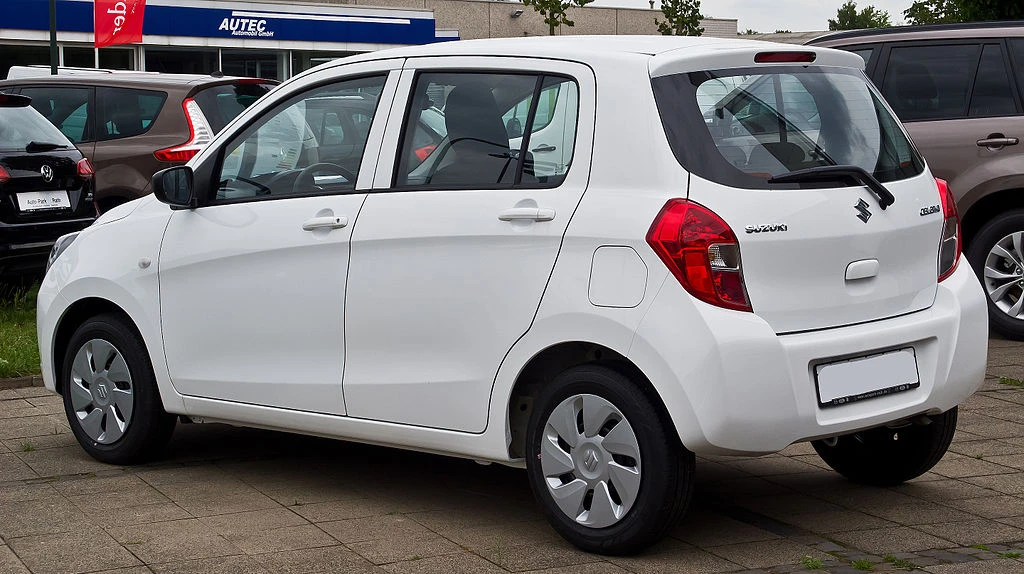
column 862, row 207
column 101, row 390
column 47, row 172
column 590, row 461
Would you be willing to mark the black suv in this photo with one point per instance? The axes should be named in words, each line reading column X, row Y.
column 46, row 187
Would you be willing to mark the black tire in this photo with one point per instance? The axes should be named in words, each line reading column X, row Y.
column 890, row 456
column 977, row 252
column 666, row 480
column 150, row 427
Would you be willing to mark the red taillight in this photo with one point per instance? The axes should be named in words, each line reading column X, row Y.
column 85, row 170
column 950, row 246
column 424, row 152
column 702, row 252
column 4, row 176
column 784, row 57
column 199, row 131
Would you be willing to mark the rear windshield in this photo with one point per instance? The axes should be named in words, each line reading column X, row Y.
column 22, row 125
column 221, row 104
column 742, row 127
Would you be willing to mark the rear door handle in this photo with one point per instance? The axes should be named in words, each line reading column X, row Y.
column 527, row 214
column 327, row 222
column 544, row 147
column 997, row 142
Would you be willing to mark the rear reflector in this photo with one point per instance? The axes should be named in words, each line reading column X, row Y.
column 784, row 57
column 701, row 250
column 200, row 134
column 950, row 246
column 4, row 176
column 85, row 170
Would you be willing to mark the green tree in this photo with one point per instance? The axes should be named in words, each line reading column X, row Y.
column 553, row 11
column 945, row 11
column 682, row 18
column 748, row 32
column 848, row 18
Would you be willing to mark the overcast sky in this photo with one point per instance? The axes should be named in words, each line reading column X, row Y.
column 771, row 15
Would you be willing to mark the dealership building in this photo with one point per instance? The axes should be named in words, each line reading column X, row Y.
column 278, row 39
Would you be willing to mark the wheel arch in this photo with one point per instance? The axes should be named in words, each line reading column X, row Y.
column 73, row 317
column 547, row 363
column 989, row 207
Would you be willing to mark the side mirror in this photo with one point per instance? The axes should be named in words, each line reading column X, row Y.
column 174, row 187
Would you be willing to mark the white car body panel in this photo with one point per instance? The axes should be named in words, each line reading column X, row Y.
column 730, row 383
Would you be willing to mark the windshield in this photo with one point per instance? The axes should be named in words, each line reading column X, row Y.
column 22, row 125
column 753, row 126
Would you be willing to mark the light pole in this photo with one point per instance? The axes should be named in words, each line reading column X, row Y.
column 53, row 37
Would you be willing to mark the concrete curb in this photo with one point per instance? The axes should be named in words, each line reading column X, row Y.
column 21, row 382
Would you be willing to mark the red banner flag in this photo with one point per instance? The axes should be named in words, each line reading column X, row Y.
column 118, row 22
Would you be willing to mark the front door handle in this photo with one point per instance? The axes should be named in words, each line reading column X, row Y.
column 997, row 141
column 328, row 222
column 544, row 148
column 527, row 214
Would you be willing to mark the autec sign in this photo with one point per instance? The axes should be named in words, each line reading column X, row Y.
column 253, row 27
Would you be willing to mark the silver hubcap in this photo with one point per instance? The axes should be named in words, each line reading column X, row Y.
column 591, row 461
column 1004, row 274
column 101, row 391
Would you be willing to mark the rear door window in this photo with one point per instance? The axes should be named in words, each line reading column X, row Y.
column 127, row 112
column 993, row 92
column 221, row 104
column 930, row 82
column 66, row 108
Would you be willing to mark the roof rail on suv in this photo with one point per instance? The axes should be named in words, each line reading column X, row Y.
column 843, row 34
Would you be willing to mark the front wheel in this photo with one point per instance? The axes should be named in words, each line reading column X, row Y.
column 610, row 475
column 889, row 456
column 110, row 394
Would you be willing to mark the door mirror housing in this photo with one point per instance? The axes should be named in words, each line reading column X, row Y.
column 174, row 186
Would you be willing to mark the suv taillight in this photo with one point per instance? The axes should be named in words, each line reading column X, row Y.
column 85, row 170
column 951, row 246
column 4, row 176
column 199, row 131
column 701, row 250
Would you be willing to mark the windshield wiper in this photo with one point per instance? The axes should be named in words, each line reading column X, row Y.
column 34, row 146
column 842, row 173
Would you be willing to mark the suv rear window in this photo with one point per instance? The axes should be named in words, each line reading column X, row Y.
column 21, row 125
column 127, row 112
column 221, row 104
column 742, row 127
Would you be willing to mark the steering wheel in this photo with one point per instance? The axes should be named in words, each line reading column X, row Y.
column 305, row 178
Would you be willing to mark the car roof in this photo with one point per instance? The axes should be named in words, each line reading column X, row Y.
column 925, row 32
column 697, row 51
column 132, row 79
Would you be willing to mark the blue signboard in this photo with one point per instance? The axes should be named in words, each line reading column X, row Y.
column 284, row 24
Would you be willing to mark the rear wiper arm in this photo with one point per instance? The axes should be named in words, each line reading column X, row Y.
column 839, row 173
column 34, row 146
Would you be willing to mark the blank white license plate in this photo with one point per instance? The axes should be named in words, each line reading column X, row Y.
column 862, row 378
column 38, row 200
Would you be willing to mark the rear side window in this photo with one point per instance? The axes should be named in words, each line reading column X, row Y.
column 993, row 92
column 21, row 125
column 221, row 104
column 778, row 120
column 930, row 82
column 127, row 112
column 471, row 130
column 1017, row 50
column 66, row 108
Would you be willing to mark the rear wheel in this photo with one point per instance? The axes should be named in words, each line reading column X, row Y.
column 889, row 456
column 608, row 471
column 110, row 394
column 997, row 254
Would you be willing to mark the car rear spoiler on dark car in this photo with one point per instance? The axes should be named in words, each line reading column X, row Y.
column 14, row 101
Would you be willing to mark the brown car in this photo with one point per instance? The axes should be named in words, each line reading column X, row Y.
column 958, row 90
column 133, row 124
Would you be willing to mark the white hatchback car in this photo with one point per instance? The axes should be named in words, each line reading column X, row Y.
column 680, row 246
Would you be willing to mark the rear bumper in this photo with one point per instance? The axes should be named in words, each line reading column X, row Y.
column 24, row 247
column 733, row 386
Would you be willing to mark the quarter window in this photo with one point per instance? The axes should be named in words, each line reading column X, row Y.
column 485, row 131
column 312, row 144
column 126, row 112
column 930, row 82
column 66, row 108
column 993, row 93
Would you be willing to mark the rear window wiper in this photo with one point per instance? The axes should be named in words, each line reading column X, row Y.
column 35, row 146
column 840, row 173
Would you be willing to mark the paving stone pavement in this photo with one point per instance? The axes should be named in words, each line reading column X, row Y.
column 250, row 501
